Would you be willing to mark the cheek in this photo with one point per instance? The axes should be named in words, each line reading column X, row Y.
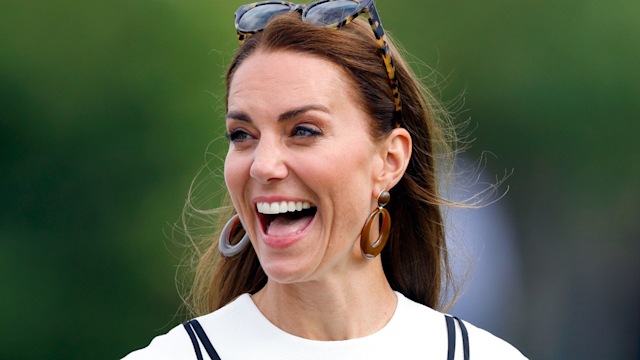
column 228, row 171
column 235, row 173
column 349, row 182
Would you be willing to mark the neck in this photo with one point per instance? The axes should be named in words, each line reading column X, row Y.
column 337, row 308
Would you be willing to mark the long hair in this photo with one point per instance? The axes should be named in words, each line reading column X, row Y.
column 415, row 258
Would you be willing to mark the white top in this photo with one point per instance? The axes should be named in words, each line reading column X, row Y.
column 240, row 331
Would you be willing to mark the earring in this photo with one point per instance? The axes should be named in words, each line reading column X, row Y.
column 370, row 251
column 224, row 243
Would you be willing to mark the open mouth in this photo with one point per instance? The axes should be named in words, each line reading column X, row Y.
column 285, row 218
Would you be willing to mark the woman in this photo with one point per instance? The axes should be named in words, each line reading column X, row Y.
column 335, row 245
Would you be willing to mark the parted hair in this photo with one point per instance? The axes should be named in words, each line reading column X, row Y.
column 415, row 257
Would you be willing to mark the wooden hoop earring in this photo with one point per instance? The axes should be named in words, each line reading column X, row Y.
column 371, row 250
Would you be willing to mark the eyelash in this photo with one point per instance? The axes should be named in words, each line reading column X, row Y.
column 239, row 135
column 311, row 131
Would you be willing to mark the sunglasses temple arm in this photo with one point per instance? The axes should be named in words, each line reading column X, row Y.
column 385, row 52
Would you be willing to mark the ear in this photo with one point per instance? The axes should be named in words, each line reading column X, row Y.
column 396, row 153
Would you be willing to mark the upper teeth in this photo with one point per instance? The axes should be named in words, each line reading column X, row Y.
column 282, row 207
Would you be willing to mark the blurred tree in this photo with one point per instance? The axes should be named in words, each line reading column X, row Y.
column 107, row 110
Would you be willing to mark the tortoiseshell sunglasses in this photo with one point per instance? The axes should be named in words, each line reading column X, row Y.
column 333, row 14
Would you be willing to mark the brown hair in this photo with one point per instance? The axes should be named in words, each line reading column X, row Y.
column 414, row 259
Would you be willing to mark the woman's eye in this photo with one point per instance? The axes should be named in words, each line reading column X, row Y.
column 238, row 135
column 305, row 131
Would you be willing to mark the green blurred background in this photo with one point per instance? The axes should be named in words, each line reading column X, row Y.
column 109, row 110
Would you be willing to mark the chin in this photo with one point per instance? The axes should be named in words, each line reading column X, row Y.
column 285, row 269
column 285, row 274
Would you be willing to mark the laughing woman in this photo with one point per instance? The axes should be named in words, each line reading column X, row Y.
column 335, row 246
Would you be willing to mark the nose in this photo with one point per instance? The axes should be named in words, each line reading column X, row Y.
column 268, row 162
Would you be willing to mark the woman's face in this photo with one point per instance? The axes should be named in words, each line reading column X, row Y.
column 302, row 169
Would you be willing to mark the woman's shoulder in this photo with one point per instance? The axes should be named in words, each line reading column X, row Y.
column 485, row 345
column 172, row 345
column 176, row 344
column 482, row 344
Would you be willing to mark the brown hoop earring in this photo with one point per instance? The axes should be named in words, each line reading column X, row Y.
column 369, row 250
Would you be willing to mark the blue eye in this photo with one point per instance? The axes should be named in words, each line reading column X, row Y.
column 238, row 135
column 305, row 131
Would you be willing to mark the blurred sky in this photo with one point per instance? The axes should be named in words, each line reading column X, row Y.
column 110, row 109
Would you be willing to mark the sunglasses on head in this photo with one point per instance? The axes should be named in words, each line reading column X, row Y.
column 333, row 14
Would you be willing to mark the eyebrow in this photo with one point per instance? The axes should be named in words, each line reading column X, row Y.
column 287, row 115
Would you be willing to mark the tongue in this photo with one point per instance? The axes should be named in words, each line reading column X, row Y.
column 285, row 225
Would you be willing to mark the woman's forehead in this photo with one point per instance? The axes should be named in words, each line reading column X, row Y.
column 285, row 76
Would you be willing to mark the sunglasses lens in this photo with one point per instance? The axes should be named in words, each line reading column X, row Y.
column 257, row 18
column 330, row 13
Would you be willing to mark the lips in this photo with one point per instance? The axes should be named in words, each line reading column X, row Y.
column 285, row 218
